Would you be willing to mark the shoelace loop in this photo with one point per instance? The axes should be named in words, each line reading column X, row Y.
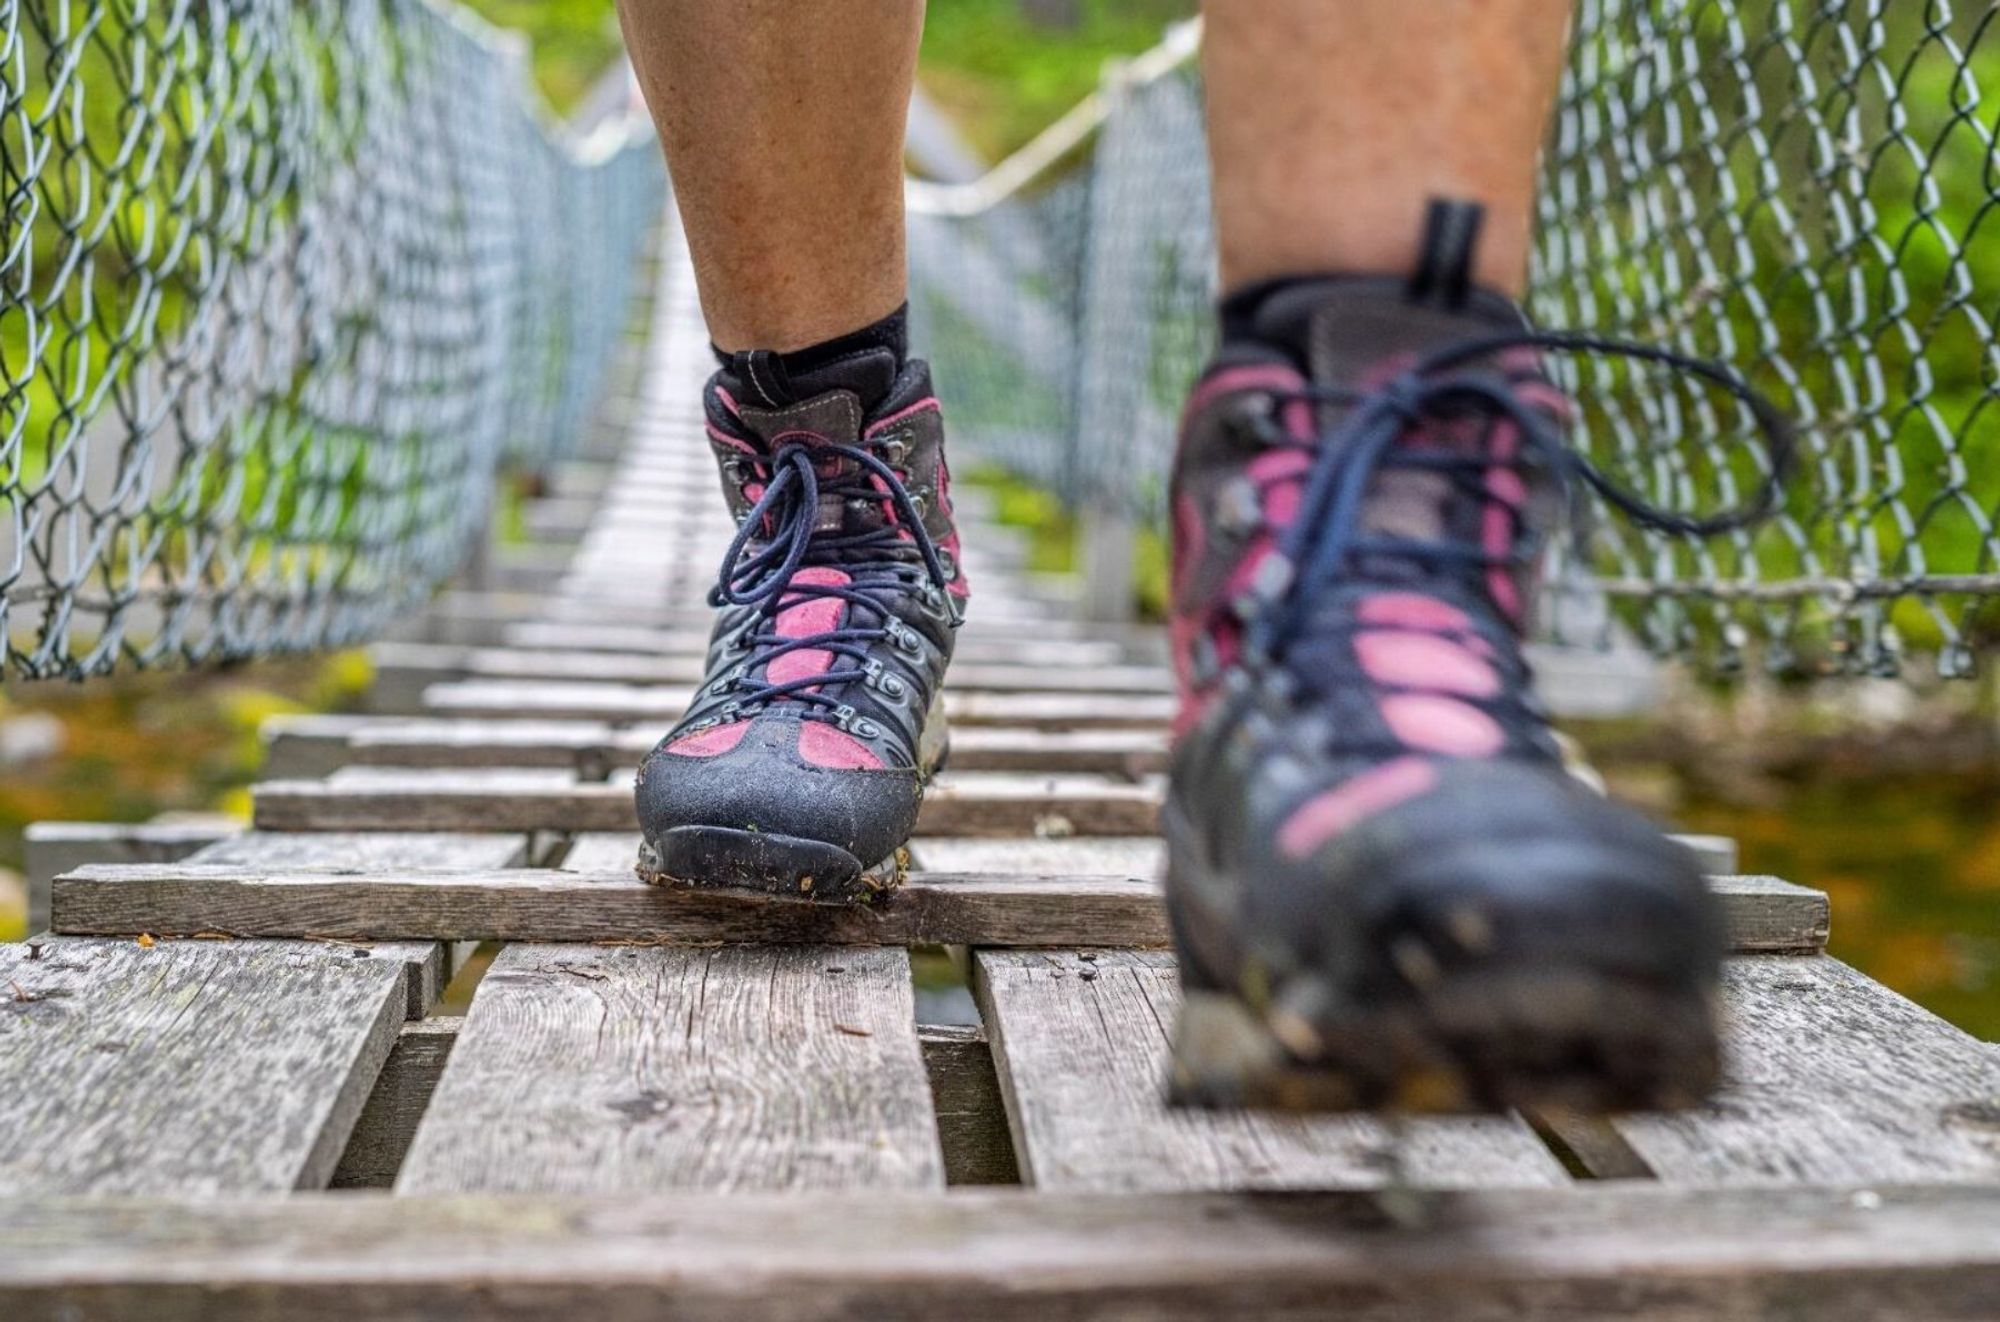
column 1326, row 530
column 764, row 576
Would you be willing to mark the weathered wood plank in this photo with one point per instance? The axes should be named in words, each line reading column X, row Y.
column 577, row 636
column 529, row 904
column 623, row 1070
column 1139, row 857
column 602, row 851
column 493, row 780
column 971, row 1117
column 978, row 628
column 400, row 799
column 1833, row 1078
column 402, row 1093
column 55, row 847
column 307, row 747
column 624, row 703
column 1080, row 1042
column 1595, row 1251
column 1127, row 753
column 185, row 1069
column 365, row 851
column 627, row 668
column 429, row 963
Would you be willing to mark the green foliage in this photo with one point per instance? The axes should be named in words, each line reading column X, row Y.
column 1004, row 80
column 573, row 41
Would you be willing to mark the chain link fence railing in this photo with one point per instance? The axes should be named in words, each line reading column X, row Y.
column 281, row 284
column 1807, row 189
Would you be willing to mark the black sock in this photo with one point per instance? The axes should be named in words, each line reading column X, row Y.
column 777, row 378
column 1442, row 278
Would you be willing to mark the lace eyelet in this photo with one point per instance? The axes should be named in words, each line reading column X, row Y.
column 1239, row 507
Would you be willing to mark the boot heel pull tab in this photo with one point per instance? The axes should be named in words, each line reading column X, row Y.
column 1443, row 276
column 764, row 372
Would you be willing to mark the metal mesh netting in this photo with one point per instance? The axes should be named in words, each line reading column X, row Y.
column 1804, row 188
column 280, row 285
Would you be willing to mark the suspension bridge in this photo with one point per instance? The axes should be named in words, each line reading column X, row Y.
column 414, row 1041
column 230, row 1093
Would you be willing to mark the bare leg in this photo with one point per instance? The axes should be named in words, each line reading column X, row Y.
column 1334, row 122
column 783, row 125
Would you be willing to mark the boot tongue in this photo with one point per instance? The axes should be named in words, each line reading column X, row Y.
column 1355, row 330
column 1357, row 333
column 829, row 402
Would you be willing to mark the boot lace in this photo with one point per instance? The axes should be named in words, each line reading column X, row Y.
column 761, row 569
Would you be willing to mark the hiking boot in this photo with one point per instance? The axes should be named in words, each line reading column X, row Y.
column 1384, row 888
column 801, row 764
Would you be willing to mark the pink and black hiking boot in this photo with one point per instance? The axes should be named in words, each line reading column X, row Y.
column 800, row 766
column 1385, row 889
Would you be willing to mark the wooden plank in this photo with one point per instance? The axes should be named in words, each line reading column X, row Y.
column 531, row 904
column 492, row 780
column 623, row 1070
column 602, row 851
column 315, row 746
column 550, row 700
column 591, row 748
column 55, row 847
column 578, row 636
column 429, row 964
column 1833, row 1078
column 998, row 803
column 184, row 1069
column 396, row 1105
column 398, row 799
column 687, row 669
column 365, row 851
column 1595, row 1251
column 965, row 1094
column 1126, row 753
column 1080, row 1042
column 980, row 627
column 1140, row 857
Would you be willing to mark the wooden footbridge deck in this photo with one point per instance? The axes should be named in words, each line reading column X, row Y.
column 224, row 1091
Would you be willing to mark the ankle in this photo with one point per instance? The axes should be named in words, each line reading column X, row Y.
column 774, row 380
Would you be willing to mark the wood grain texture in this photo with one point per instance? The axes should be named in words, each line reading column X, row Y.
column 569, row 636
column 51, row 848
column 402, row 1092
column 365, row 851
column 967, row 676
column 965, row 1094
column 311, row 747
column 182, row 1068
column 1833, row 1078
column 1525, row 1255
column 429, row 964
column 551, row 700
column 536, row 904
column 623, row 1070
column 396, row 799
column 1080, row 1043
column 1138, row 857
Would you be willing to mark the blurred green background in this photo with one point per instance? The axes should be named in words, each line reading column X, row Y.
column 1890, row 801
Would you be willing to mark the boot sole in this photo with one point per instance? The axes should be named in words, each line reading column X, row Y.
column 766, row 864
column 1572, row 1041
column 1494, row 1035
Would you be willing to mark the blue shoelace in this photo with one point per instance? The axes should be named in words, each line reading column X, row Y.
column 764, row 577
column 1325, row 539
